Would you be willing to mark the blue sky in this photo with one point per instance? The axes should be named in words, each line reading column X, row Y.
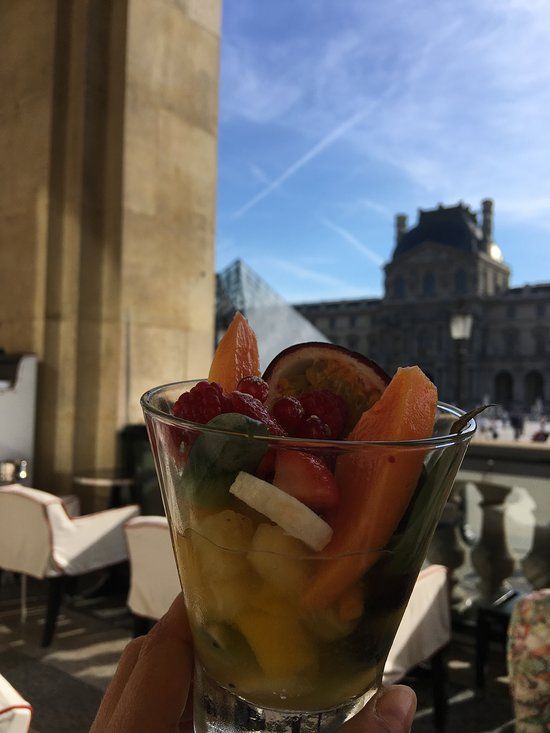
column 337, row 114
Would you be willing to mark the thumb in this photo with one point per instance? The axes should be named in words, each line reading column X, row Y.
column 391, row 712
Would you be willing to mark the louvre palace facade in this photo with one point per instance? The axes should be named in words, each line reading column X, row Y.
column 448, row 264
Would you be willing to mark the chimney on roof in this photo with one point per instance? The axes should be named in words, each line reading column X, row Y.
column 400, row 227
column 487, row 221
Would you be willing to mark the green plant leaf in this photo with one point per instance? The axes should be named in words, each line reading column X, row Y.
column 216, row 458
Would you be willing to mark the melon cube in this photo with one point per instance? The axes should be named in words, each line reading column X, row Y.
column 221, row 541
column 282, row 646
column 280, row 560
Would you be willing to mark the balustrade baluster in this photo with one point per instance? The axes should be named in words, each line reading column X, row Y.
column 536, row 565
column 491, row 556
column 446, row 547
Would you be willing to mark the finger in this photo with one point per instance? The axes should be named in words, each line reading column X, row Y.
column 156, row 693
column 174, row 622
column 116, row 686
column 391, row 712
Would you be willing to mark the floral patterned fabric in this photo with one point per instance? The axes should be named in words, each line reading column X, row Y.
column 529, row 662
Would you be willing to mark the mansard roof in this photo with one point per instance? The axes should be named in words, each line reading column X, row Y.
column 454, row 226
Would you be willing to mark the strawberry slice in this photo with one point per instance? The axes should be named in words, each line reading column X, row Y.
column 306, row 478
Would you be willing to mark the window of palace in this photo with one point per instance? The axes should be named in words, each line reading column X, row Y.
column 428, row 284
column 399, row 287
column 461, row 281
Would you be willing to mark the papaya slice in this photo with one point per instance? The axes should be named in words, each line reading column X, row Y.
column 236, row 355
column 376, row 484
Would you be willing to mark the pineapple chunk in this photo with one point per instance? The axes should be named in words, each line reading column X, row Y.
column 227, row 529
column 279, row 559
column 221, row 540
column 268, row 599
column 223, row 600
column 217, row 581
column 282, row 647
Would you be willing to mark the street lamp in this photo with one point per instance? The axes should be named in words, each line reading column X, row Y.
column 461, row 330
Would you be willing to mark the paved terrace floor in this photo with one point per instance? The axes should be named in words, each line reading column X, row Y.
column 65, row 682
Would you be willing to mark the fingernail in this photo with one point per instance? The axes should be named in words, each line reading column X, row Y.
column 397, row 707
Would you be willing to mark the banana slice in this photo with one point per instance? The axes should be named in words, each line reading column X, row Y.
column 295, row 518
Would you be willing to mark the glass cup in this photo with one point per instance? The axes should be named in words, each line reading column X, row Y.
column 287, row 638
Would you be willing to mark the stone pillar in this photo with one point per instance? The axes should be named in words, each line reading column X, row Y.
column 400, row 227
column 167, row 288
column 109, row 126
column 487, row 222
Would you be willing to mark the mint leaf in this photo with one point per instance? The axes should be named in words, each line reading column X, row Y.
column 216, row 458
column 232, row 452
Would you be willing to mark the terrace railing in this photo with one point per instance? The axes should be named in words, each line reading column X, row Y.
column 495, row 531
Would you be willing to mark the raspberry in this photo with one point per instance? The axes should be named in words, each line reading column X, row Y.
column 314, row 428
column 202, row 403
column 329, row 407
column 289, row 413
column 254, row 386
column 247, row 405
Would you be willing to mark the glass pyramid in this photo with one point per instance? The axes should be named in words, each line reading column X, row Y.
column 276, row 323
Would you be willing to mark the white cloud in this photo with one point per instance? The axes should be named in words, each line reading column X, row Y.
column 459, row 94
column 351, row 239
column 329, row 139
column 306, row 273
column 378, row 208
column 252, row 95
column 258, row 174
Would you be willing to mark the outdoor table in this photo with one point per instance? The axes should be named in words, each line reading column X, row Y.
column 114, row 481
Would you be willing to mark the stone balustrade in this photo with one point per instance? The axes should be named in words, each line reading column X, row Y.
column 494, row 533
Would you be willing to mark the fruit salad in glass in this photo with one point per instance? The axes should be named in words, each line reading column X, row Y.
column 301, row 504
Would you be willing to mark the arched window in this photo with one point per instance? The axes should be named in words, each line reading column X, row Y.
column 534, row 388
column 461, row 283
column 428, row 284
column 504, row 388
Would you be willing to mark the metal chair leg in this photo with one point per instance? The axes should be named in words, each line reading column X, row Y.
column 141, row 625
column 55, row 596
column 482, row 650
column 439, row 687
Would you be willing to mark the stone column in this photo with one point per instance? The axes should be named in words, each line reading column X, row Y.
column 109, row 127
column 167, row 267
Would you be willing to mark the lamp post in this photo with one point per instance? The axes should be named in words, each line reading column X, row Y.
column 460, row 327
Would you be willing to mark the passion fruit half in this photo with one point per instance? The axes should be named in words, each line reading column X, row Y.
column 316, row 365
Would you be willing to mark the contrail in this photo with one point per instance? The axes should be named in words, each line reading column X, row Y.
column 352, row 239
column 301, row 162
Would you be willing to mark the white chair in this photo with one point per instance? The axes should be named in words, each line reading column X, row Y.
column 423, row 636
column 15, row 712
column 40, row 539
column 154, row 581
